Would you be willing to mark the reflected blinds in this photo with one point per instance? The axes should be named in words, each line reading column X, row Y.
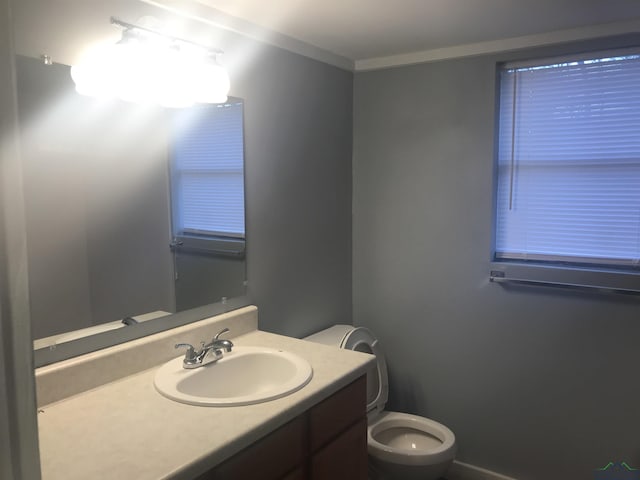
column 207, row 171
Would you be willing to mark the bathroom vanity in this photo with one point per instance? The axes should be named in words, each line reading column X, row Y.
column 329, row 441
column 100, row 415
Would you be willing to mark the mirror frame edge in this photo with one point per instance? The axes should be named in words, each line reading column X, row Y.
column 18, row 379
column 85, row 345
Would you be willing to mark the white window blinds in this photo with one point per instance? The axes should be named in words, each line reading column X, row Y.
column 569, row 161
column 207, row 171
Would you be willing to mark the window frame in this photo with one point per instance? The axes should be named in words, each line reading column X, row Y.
column 555, row 273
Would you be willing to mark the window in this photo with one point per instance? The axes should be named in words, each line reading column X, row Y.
column 207, row 174
column 568, row 190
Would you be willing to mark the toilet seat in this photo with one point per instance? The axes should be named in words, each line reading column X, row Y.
column 362, row 339
column 399, row 451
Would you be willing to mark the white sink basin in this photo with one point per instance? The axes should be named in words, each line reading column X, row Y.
column 243, row 376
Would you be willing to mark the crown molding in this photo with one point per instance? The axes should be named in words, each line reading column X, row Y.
column 495, row 46
column 197, row 11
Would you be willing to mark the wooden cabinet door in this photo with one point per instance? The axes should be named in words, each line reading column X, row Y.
column 345, row 458
column 269, row 458
column 335, row 414
column 297, row 474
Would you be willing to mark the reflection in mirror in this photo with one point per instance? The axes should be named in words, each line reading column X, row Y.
column 132, row 212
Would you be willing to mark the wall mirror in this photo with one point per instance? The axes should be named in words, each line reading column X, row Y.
column 114, row 197
column 104, row 189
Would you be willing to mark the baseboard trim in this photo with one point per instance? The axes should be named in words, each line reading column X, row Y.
column 464, row 471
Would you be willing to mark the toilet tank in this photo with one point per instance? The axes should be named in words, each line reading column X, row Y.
column 362, row 340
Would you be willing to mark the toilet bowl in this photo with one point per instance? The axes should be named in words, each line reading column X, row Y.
column 409, row 447
column 401, row 446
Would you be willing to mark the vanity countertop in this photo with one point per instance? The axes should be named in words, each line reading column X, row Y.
column 126, row 430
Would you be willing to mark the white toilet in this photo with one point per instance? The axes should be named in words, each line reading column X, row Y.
column 401, row 446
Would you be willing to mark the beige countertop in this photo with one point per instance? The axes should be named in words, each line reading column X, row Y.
column 126, row 430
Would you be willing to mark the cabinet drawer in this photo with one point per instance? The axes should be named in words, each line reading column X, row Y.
column 335, row 414
column 270, row 458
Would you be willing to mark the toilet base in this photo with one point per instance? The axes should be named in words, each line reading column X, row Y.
column 387, row 471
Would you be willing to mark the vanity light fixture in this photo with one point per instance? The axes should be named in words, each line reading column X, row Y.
column 147, row 66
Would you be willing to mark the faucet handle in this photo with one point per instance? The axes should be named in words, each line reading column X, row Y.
column 191, row 354
column 219, row 343
column 217, row 335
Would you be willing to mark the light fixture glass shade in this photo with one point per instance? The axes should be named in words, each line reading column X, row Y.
column 172, row 75
column 143, row 70
column 95, row 75
column 212, row 84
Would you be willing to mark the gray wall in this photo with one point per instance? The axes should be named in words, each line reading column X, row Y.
column 298, row 128
column 535, row 383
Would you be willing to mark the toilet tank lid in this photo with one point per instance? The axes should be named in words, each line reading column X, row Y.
column 331, row 336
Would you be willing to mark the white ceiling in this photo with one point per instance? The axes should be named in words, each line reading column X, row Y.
column 375, row 33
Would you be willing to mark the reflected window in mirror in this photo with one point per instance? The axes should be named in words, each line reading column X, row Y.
column 207, row 172
column 207, row 192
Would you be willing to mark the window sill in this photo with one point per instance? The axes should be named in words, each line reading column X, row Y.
column 602, row 279
column 219, row 246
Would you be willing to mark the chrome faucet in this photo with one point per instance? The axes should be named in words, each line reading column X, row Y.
column 209, row 353
column 223, row 343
